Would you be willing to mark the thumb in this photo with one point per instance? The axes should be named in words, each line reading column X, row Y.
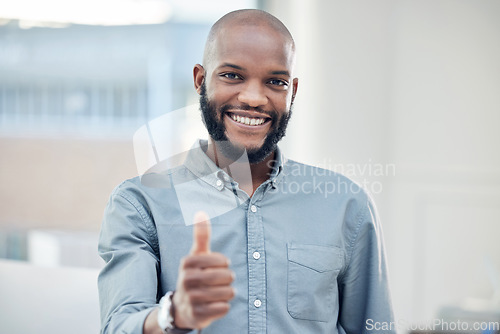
column 201, row 233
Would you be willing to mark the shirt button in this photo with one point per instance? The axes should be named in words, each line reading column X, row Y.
column 257, row 303
column 256, row 255
column 226, row 178
column 218, row 183
column 253, row 208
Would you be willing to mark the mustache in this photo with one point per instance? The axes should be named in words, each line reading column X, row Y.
column 271, row 113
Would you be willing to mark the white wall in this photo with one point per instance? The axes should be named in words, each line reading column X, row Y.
column 48, row 300
column 414, row 85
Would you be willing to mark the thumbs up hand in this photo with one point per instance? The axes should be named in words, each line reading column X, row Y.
column 204, row 282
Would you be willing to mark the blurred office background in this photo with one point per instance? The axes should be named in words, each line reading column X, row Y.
column 403, row 96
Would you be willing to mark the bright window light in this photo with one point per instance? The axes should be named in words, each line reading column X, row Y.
column 90, row 12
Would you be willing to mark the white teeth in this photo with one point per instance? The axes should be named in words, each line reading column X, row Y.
column 248, row 120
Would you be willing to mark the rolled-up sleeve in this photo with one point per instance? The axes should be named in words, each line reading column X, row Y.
column 365, row 303
column 128, row 283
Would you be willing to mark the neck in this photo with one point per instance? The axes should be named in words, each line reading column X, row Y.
column 239, row 171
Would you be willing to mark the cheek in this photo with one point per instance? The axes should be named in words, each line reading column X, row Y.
column 220, row 93
column 282, row 102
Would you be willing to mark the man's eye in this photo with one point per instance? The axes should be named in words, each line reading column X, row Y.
column 232, row 76
column 278, row 82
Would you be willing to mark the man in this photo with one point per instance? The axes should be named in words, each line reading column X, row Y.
column 288, row 255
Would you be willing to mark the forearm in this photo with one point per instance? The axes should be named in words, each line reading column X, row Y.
column 128, row 282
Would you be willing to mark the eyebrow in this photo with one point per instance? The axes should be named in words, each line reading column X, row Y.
column 281, row 73
column 232, row 66
column 242, row 69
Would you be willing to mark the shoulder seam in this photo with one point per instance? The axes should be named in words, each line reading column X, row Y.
column 151, row 230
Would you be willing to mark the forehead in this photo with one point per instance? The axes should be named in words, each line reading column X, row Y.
column 258, row 45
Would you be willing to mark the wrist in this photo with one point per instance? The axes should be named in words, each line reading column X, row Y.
column 166, row 316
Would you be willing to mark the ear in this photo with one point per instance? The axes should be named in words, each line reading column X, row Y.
column 295, row 86
column 198, row 76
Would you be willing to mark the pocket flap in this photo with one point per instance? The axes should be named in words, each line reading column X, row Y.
column 318, row 258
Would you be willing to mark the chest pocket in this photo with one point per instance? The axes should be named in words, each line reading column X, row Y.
column 312, row 281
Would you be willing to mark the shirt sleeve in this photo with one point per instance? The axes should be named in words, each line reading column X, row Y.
column 128, row 283
column 365, row 302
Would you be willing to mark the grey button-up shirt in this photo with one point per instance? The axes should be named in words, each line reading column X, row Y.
column 306, row 248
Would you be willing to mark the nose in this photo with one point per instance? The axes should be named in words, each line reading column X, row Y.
column 253, row 95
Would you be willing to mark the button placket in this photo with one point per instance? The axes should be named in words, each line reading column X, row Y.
column 256, row 266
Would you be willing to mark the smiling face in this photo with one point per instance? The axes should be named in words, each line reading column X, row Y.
column 247, row 88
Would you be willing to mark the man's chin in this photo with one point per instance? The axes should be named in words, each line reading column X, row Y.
column 238, row 152
column 231, row 150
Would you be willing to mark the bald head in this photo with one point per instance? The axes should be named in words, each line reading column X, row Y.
column 244, row 17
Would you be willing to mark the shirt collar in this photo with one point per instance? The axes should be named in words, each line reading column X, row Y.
column 204, row 168
column 276, row 173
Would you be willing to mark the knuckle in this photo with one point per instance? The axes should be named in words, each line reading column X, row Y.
column 193, row 261
column 225, row 277
column 224, row 260
column 232, row 293
column 185, row 261
column 225, row 308
column 191, row 279
column 197, row 296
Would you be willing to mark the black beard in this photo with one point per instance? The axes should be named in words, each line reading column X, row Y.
column 214, row 122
